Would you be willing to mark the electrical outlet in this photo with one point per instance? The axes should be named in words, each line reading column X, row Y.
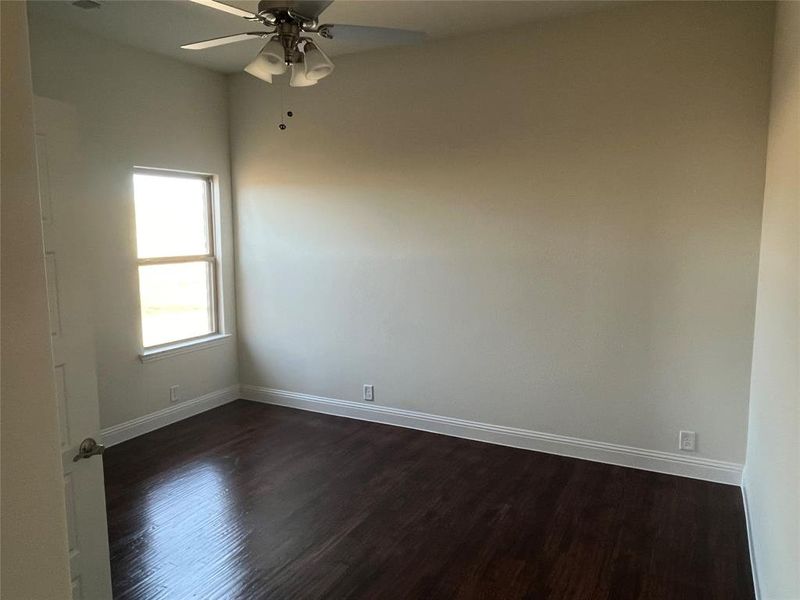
column 369, row 393
column 687, row 441
column 174, row 394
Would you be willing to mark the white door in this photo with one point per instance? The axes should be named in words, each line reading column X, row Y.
column 60, row 186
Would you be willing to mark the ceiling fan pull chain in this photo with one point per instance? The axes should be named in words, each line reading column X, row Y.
column 288, row 113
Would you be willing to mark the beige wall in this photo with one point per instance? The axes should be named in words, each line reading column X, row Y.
column 556, row 229
column 137, row 108
column 34, row 554
column 773, row 445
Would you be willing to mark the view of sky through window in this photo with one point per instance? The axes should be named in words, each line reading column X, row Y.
column 175, row 263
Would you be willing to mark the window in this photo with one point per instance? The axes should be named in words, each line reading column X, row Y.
column 177, row 261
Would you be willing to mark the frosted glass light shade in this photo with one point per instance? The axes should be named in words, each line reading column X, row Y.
column 259, row 67
column 299, row 78
column 274, row 57
column 318, row 65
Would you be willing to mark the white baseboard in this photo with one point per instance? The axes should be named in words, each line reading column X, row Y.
column 748, row 524
column 615, row 454
column 172, row 414
column 626, row 456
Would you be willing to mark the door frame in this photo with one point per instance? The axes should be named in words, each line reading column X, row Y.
column 35, row 558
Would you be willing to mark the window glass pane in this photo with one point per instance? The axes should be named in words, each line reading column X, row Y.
column 171, row 215
column 175, row 302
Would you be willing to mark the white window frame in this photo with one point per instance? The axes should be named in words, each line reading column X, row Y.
column 217, row 335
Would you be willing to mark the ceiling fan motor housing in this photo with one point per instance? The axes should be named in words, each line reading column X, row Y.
column 273, row 6
column 274, row 11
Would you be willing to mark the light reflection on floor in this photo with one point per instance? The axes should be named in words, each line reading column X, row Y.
column 193, row 532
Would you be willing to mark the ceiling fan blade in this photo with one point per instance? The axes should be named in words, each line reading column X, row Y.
column 379, row 36
column 228, row 39
column 233, row 10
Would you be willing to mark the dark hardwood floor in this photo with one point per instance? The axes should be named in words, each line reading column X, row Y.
column 254, row 501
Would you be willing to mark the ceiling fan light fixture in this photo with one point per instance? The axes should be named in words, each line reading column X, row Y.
column 259, row 67
column 318, row 65
column 274, row 57
column 288, row 31
column 299, row 78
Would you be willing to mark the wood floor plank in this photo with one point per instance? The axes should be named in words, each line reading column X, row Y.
column 253, row 501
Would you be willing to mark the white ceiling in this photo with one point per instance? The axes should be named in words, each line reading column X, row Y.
column 163, row 25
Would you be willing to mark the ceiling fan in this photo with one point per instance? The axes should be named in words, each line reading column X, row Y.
column 289, row 24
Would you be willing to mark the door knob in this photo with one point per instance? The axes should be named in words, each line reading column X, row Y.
column 88, row 448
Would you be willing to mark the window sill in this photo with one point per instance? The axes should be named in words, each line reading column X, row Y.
column 170, row 350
